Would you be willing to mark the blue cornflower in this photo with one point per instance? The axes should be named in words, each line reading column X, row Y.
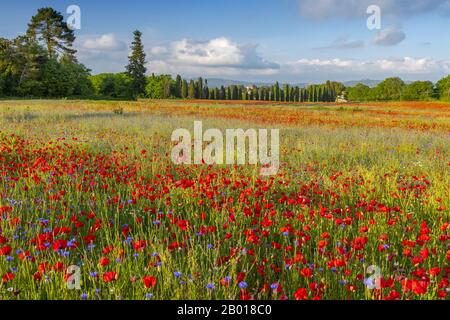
column 177, row 274
column 368, row 282
column 65, row 253
column 71, row 243
column 242, row 284
column 210, row 286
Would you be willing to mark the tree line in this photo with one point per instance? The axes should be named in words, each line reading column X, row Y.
column 397, row 89
column 43, row 63
column 164, row 87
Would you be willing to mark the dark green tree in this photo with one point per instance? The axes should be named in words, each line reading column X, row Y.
column 48, row 27
column 199, row 91
column 360, row 92
column 443, row 88
column 178, row 86
column 136, row 67
column 191, row 90
column 21, row 64
column 418, row 90
column 389, row 89
column 184, row 89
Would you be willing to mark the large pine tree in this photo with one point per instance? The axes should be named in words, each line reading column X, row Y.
column 48, row 26
column 136, row 67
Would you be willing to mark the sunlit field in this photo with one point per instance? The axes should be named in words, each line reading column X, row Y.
column 91, row 184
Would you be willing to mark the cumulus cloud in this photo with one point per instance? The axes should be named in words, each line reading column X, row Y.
column 348, row 69
column 389, row 37
column 323, row 9
column 105, row 42
column 102, row 53
column 213, row 57
column 343, row 43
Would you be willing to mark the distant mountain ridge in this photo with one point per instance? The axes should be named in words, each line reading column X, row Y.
column 368, row 82
column 217, row 83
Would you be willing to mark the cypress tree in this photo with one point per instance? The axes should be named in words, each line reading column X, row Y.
column 200, row 88
column 178, row 85
column 136, row 67
column 184, row 89
column 191, row 93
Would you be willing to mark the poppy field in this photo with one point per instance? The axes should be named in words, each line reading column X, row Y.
column 359, row 209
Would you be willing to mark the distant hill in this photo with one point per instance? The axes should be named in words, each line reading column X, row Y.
column 368, row 82
column 217, row 83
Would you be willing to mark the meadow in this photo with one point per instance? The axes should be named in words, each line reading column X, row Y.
column 91, row 184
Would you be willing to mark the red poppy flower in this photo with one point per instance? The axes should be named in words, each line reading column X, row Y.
column 5, row 251
column 110, row 276
column 434, row 271
column 240, row 277
column 149, row 281
column 3, row 240
column 37, row 276
column 301, row 294
column 59, row 245
column 7, row 277
column 104, row 261
column 306, row 272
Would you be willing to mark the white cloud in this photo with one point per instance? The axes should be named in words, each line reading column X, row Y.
column 158, row 50
column 347, row 69
column 389, row 37
column 102, row 53
column 219, row 56
column 323, row 9
column 105, row 42
column 343, row 43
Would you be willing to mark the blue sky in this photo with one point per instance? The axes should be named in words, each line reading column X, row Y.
column 259, row 40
